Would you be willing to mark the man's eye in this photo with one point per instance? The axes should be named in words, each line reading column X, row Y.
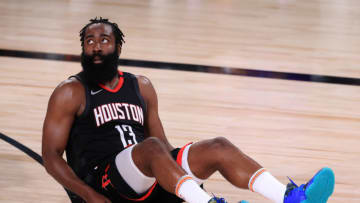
column 90, row 41
column 105, row 40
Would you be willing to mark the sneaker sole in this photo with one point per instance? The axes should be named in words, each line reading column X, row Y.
column 321, row 188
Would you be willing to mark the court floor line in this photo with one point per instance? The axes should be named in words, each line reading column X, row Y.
column 193, row 67
column 28, row 152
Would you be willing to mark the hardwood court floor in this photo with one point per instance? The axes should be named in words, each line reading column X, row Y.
column 291, row 128
column 309, row 36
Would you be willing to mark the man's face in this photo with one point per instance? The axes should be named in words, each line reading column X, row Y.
column 99, row 58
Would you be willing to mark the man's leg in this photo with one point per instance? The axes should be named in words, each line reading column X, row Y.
column 208, row 156
column 153, row 159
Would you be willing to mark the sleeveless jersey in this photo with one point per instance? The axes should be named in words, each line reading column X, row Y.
column 112, row 120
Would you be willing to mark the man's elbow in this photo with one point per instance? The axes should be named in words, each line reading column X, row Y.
column 46, row 161
column 49, row 161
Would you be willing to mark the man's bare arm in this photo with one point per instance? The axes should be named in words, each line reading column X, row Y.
column 153, row 124
column 65, row 103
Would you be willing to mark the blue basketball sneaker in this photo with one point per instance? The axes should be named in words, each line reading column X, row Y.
column 317, row 190
column 217, row 200
column 222, row 200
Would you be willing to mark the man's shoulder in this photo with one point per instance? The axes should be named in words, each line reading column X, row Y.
column 143, row 80
column 71, row 83
column 69, row 89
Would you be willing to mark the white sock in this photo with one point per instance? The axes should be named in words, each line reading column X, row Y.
column 267, row 185
column 188, row 190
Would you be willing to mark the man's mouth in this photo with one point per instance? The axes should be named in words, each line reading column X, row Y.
column 97, row 59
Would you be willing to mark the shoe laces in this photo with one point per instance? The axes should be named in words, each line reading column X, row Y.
column 290, row 187
column 217, row 200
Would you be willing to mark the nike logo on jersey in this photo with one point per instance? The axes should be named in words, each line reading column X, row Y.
column 95, row 92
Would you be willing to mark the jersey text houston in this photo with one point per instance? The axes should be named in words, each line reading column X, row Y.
column 118, row 111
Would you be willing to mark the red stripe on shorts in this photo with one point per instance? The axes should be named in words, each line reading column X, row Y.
column 180, row 154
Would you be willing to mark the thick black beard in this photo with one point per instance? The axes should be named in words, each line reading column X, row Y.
column 100, row 73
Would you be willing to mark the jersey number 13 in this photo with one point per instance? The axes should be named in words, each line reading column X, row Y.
column 129, row 138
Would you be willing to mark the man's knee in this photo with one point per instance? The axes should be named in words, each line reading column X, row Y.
column 154, row 146
column 221, row 142
column 147, row 152
column 222, row 145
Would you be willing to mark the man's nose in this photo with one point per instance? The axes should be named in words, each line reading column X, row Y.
column 97, row 47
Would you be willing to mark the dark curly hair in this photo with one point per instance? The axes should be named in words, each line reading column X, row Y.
column 119, row 36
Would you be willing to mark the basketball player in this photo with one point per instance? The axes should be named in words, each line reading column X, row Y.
column 107, row 122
